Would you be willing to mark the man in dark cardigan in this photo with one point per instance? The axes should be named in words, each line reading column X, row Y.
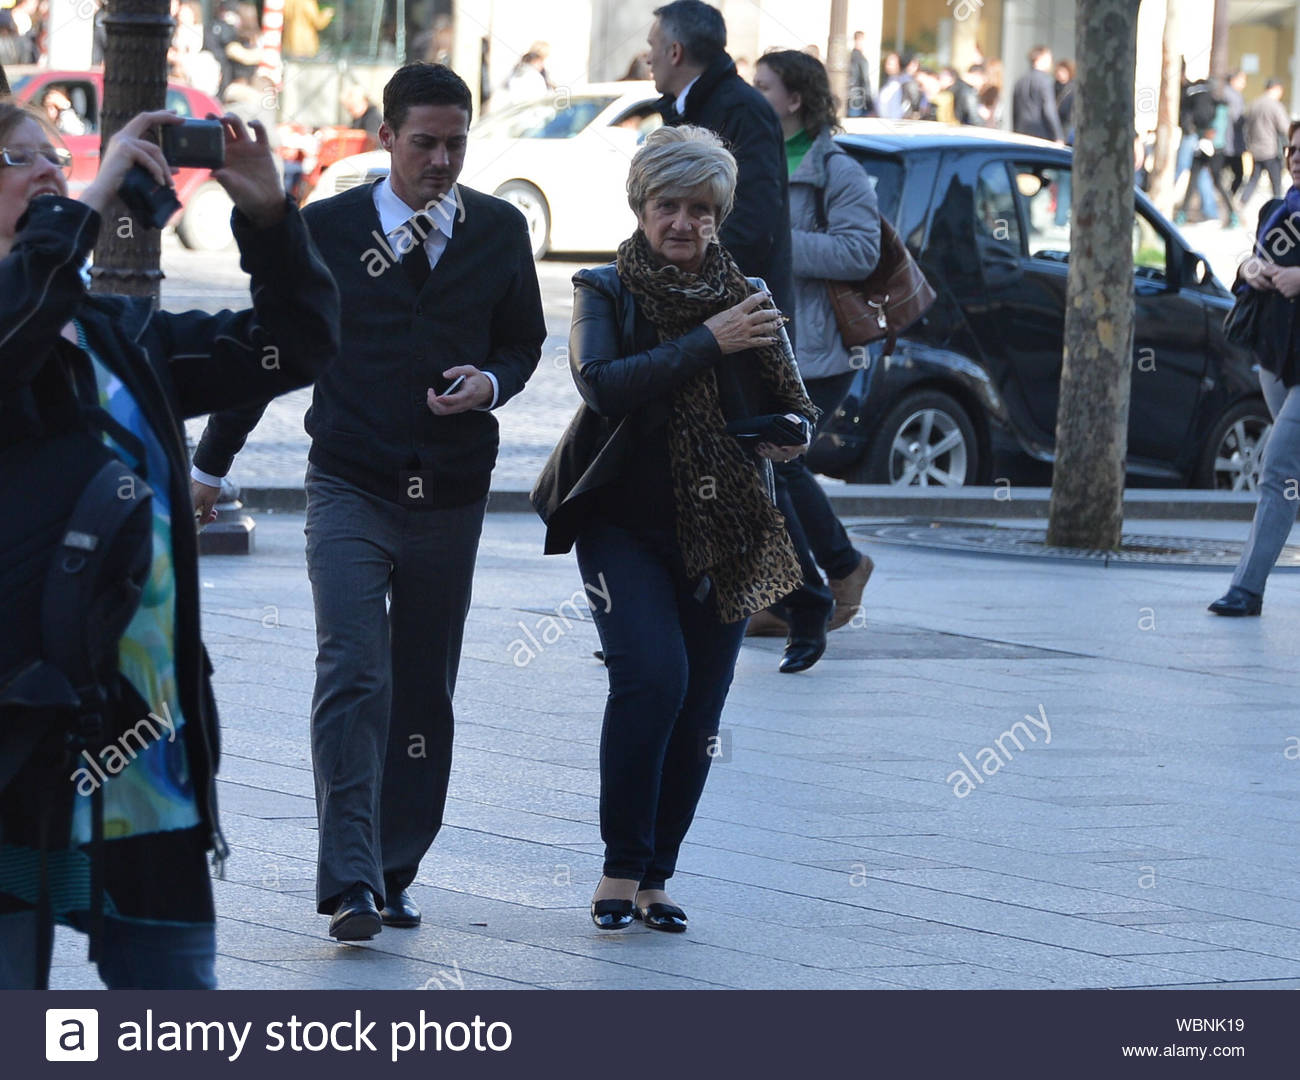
column 437, row 282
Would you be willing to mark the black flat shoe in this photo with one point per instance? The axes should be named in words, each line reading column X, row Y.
column 801, row 653
column 667, row 917
column 1238, row 601
column 401, row 912
column 356, row 918
column 611, row 914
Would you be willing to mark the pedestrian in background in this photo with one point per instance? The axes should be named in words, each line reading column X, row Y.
column 691, row 68
column 1272, row 273
column 672, row 517
column 1033, row 99
column 835, row 225
column 62, row 350
column 397, row 481
column 1195, row 116
column 1235, row 142
column 1210, row 114
column 1266, row 127
column 965, row 95
column 862, row 101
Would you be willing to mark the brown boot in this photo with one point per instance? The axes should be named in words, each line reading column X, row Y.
column 767, row 624
column 847, row 592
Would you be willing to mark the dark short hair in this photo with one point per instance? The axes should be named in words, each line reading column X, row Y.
column 806, row 76
column 1036, row 52
column 698, row 27
column 420, row 83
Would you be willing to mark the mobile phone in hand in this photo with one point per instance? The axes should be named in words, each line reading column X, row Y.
column 456, row 384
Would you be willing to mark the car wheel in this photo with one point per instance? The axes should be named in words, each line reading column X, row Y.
column 205, row 221
column 532, row 204
column 926, row 440
column 1234, row 452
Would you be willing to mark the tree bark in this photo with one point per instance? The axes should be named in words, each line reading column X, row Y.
column 837, row 55
column 1168, row 133
column 1219, row 42
column 1087, row 506
column 137, row 33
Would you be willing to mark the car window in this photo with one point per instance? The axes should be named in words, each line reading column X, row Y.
column 557, row 118
column 997, row 228
column 1046, row 196
column 79, row 115
column 1150, row 254
column 642, row 119
column 178, row 103
column 886, row 176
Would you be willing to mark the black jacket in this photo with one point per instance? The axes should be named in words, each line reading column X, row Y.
column 176, row 366
column 1277, row 341
column 966, row 104
column 757, row 232
column 1033, row 106
column 368, row 419
column 626, row 378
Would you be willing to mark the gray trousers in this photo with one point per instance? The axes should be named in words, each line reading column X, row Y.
column 391, row 586
column 1275, row 513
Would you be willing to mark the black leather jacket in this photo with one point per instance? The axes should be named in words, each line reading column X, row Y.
column 624, row 374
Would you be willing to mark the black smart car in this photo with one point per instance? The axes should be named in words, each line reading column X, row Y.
column 970, row 394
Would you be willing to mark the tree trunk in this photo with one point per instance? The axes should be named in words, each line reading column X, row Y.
column 1219, row 42
column 837, row 55
column 1087, row 507
column 1168, row 133
column 136, row 36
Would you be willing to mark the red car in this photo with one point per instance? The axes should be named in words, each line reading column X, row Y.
column 203, row 223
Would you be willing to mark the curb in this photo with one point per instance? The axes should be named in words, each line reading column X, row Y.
column 881, row 500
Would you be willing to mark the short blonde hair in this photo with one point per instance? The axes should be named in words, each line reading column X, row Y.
column 675, row 160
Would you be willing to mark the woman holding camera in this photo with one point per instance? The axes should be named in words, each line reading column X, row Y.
column 671, row 512
column 62, row 352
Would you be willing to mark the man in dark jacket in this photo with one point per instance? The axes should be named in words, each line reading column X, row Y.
column 1033, row 101
column 438, row 282
column 861, row 101
column 965, row 100
column 691, row 68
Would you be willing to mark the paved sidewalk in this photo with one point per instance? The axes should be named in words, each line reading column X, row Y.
column 1150, row 843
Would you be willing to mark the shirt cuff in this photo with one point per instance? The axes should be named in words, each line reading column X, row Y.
column 204, row 478
column 496, row 393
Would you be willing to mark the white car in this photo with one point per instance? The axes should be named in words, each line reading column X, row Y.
column 562, row 160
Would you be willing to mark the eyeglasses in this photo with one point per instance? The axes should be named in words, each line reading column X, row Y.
column 20, row 159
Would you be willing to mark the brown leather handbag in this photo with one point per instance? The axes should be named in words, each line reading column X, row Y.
column 887, row 301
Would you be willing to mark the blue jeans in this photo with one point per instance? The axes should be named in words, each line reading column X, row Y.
column 142, row 954
column 670, row 663
column 1204, row 182
column 1275, row 513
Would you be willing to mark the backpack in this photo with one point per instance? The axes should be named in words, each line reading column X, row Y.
column 888, row 300
column 76, row 546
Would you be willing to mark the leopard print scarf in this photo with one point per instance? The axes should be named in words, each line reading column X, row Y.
column 730, row 534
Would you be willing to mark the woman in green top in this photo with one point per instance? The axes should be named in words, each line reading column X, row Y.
column 836, row 235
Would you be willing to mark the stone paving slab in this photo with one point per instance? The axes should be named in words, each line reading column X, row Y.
column 1151, row 842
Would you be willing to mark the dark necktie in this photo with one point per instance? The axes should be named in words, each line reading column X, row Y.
column 415, row 263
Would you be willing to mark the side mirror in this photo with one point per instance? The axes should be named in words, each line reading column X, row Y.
column 1192, row 270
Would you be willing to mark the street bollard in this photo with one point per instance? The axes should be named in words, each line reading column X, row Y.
column 232, row 532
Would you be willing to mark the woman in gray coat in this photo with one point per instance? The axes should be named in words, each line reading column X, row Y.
column 836, row 235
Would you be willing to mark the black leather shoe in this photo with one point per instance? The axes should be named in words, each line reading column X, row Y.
column 611, row 914
column 1238, row 601
column 356, row 918
column 807, row 640
column 401, row 912
column 667, row 917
